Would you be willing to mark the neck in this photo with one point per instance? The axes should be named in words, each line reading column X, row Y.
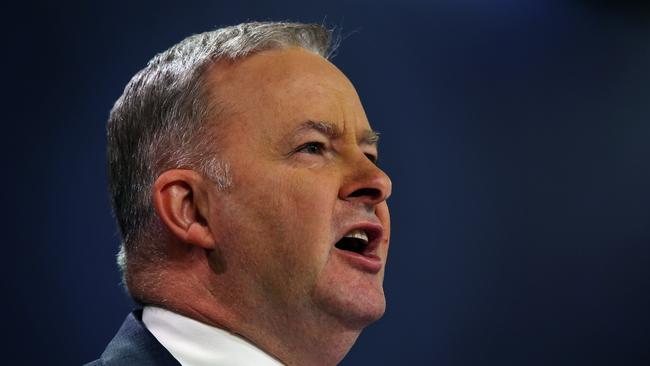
column 296, row 334
column 298, row 341
column 293, row 337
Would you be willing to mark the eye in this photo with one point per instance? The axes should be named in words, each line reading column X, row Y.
column 312, row 147
column 372, row 158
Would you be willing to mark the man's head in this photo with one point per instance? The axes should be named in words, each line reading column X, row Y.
column 247, row 191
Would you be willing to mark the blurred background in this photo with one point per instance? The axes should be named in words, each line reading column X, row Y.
column 517, row 135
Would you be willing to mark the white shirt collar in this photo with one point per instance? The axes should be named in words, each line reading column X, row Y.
column 193, row 343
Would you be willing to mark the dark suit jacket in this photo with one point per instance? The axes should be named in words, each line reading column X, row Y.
column 135, row 345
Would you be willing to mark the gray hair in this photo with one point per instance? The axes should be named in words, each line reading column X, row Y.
column 161, row 120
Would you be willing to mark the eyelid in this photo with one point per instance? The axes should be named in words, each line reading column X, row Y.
column 321, row 145
column 323, row 149
column 372, row 153
column 372, row 157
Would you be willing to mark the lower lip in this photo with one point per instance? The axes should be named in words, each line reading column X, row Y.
column 368, row 263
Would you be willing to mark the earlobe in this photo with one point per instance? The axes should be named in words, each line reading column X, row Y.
column 179, row 201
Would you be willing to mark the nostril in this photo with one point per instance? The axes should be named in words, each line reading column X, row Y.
column 366, row 192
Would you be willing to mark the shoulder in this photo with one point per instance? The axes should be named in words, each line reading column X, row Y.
column 134, row 345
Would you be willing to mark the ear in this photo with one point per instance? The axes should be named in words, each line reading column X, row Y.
column 182, row 204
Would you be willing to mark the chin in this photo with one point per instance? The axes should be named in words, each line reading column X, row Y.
column 366, row 316
column 354, row 309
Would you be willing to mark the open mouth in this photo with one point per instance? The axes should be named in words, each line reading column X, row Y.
column 359, row 247
column 355, row 241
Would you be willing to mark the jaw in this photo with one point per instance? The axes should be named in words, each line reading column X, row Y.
column 343, row 301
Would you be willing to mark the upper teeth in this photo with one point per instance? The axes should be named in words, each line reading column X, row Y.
column 357, row 234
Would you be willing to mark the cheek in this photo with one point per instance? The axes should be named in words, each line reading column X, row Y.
column 283, row 221
column 305, row 207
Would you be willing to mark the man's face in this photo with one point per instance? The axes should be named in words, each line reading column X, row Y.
column 301, row 153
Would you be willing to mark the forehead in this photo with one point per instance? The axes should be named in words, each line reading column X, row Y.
column 280, row 89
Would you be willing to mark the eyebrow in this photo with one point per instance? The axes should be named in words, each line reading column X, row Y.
column 331, row 130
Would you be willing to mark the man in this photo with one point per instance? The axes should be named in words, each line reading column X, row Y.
column 253, row 214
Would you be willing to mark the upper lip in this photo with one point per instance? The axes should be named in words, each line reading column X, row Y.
column 375, row 232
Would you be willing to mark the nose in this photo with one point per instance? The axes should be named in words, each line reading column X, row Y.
column 366, row 183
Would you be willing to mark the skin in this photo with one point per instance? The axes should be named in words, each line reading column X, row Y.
column 259, row 259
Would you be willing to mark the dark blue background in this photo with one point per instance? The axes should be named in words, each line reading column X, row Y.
column 517, row 134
